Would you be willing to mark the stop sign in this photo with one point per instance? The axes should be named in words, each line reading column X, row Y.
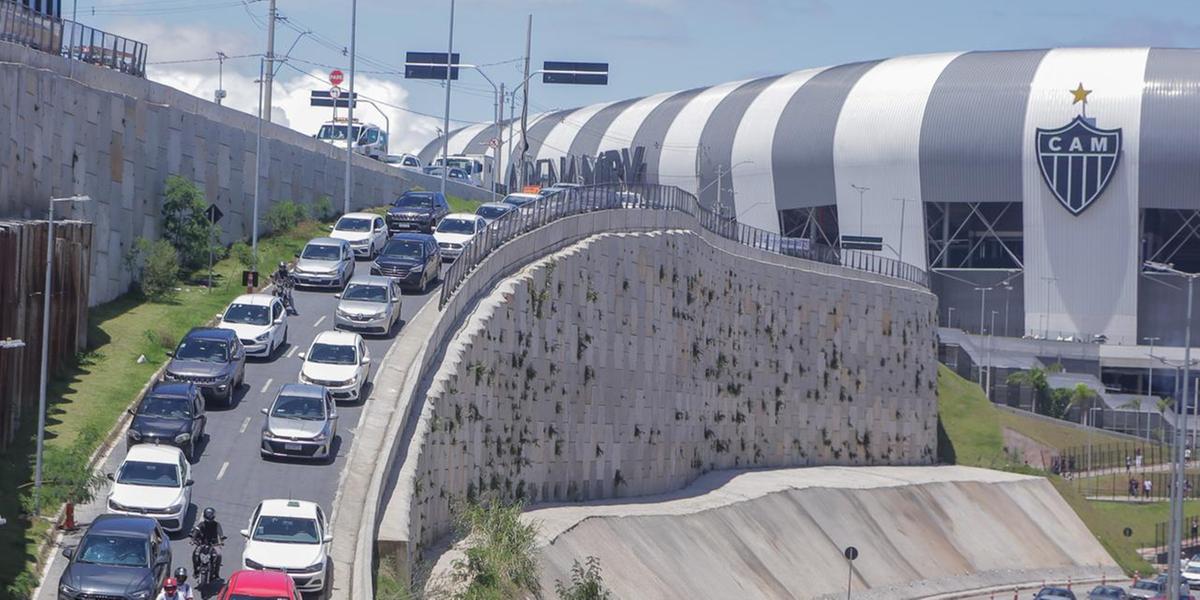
column 336, row 77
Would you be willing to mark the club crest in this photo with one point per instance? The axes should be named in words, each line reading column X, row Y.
column 1078, row 159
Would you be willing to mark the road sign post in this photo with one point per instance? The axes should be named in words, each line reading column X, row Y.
column 214, row 214
column 851, row 553
column 336, row 77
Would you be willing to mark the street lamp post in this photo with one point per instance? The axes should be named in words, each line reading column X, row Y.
column 1007, row 289
column 46, row 301
column 861, row 189
column 350, row 138
column 1150, row 381
column 1176, row 529
column 1046, row 308
column 950, row 316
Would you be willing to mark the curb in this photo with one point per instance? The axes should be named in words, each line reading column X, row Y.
column 1001, row 591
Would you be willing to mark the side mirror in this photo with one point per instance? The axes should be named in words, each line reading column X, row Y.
column 220, row 315
column 170, row 353
column 297, row 255
column 69, row 552
column 396, row 300
column 328, row 539
column 189, row 483
column 264, row 411
column 338, row 295
column 130, row 411
column 163, row 559
column 333, row 417
column 300, row 354
column 245, row 533
column 367, row 360
column 279, row 321
column 110, row 477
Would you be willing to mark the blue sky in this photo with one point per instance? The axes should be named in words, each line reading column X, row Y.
column 651, row 45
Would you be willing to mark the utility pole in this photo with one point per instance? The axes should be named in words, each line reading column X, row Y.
column 257, row 169
column 720, row 208
column 862, row 189
column 1046, row 308
column 350, row 138
column 512, row 110
column 499, row 138
column 982, row 305
column 220, row 93
column 272, row 14
column 525, row 103
column 446, row 117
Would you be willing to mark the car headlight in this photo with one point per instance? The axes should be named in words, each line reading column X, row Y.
column 345, row 383
column 320, row 437
column 134, row 435
column 66, row 589
column 263, row 337
column 142, row 595
column 250, row 564
column 177, row 507
column 183, row 438
column 342, row 313
column 417, row 269
column 315, row 567
column 116, row 505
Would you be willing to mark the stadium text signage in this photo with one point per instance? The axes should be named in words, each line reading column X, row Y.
column 1078, row 159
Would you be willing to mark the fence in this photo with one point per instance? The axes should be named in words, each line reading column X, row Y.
column 1112, row 455
column 1189, row 537
column 21, row 25
column 1132, row 485
column 581, row 200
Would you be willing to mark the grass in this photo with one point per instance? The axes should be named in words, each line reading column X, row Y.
column 1141, row 518
column 457, row 205
column 975, row 428
column 87, row 398
column 1059, row 437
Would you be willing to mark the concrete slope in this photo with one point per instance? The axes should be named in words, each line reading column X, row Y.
column 780, row 534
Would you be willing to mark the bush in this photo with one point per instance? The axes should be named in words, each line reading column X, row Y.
column 243, row 253
column 586, row 582
column 155, row 267
column 184, row 223
column 285, row 215
column 501, row 556
column 323, row 208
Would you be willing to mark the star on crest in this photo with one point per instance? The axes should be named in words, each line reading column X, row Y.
column 1080, row 94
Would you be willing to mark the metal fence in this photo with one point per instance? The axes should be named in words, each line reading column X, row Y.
column 1113, row 456
column 1190, row 537
column 587, row 199
column 21, row 25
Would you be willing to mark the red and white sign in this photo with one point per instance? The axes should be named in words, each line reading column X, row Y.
column 336, row 77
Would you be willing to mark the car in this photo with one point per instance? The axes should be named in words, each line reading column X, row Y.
column 213, row 359
column 1148, row 588
column 411, row 260
column 366, row 232
column 118, row 557
column 260, row 322
column 369, row 303
column 417, row 211
column 490, row 211
column 290, row 536
column 453, row 233
column 404, row 161
column 170, row 413
column 324, row 262
column 1191, row 574
column 250, row 585
column 454, row 173
column 550, row 191
column 153, row 481
column 520, row 199
column 301, row 422
column 1107, row 592
column 1054, row 593
column 338, row 360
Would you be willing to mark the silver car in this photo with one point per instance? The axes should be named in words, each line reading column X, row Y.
column 301, row 423
column 370, row 303
column 324, row 262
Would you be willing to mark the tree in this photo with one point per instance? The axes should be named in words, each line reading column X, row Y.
column 1080, row 397
column 501, row 555
column 155, row 267
column 586, row 582
column 184, row 224
column 1036, row 379
column 1136, row 404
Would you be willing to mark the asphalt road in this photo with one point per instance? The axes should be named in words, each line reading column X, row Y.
column 230, row 475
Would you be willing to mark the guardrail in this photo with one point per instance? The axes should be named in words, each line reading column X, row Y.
column 581, row 200
column 21, row 25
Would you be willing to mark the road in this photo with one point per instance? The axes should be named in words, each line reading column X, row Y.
column 230, row 475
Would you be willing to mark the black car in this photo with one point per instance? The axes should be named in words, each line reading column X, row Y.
column 171, row 414
column 1107, row 592
column 211, row 358
column 417, row 211
column 411, row 259
column 1054, row 593
column 119, row 557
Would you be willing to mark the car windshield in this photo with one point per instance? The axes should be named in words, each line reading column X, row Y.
column 414, row 201
column 456, row 163
column 113, row 550
column 166, row 406
column 202, row 350
column 321, row 252
column 250, row 314
column 136, row 472
column 332, row 354
column 409, row 248
column 1146, row 585
column 1192, row 569
column 305, row 408
column 353, row 224
column 365, row 293
column 286, row 530
column 456, row 226
column 491, row 212
column 336, row 132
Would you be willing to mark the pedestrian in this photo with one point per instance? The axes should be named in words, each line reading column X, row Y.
column 1128, row 463
column 1137, row 458
column 1147, row 487
column 1133, row 488
column 1187, row 488
column 1187, row 455
column 1195, row 527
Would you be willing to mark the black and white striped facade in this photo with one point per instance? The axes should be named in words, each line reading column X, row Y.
column 942, row 151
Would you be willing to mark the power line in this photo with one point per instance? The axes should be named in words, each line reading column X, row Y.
column 200, row 60
column 378, row 101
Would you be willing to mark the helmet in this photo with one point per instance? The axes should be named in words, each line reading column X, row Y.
column 170, row 585
column 209, row 514
column 282, row 266
column 181, row 574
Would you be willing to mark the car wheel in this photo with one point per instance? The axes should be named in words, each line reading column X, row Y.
column 191, row 450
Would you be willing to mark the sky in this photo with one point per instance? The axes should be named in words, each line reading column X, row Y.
column 651, row 45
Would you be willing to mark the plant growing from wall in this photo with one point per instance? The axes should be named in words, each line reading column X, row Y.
column 500, row 558
column 586, row 582
column 155, row 266
column 184, row 224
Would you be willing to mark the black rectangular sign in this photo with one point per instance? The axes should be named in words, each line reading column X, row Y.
column 323, row 98
column 429, row 65
column 862, row 242
column 578, row 73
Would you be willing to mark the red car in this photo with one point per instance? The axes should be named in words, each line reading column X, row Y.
column 251, row 585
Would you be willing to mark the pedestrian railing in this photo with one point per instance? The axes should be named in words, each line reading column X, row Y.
column 1110, row 455
column 581, row 200
column 21, row 25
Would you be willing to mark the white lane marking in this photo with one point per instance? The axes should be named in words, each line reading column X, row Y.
column 221, row 473
column 245, row 424
column 292, row 351
column 318, row 323
column 266, row 385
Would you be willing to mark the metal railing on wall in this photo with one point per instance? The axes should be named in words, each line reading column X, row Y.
column 21, row 25
column 576, row 201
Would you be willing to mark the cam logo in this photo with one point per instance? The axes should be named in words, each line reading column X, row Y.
column 1078, row 159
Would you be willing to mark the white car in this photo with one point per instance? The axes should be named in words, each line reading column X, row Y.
column 454, row 231
column 519, row 199
column 291, row 536
column 260, row 322
column 324, row 262
column 366, row 232
column 339, row 361
column 153, row 481
column 370, row 303
column 403, row 161
column 490, row 211
column 1191, row 574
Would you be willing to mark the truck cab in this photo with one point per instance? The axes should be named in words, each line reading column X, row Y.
column 480, row 168
column 370, row 139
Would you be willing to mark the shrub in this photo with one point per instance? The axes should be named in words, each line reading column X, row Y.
column 155, row 267
column 501, row 559
column 242, row 252
column 184, row 223
column 285, row 215
column 323, row 208
column 586, row 582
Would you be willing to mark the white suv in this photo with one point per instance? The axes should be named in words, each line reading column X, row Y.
column 339, row 361
column 366, row 232
column 454, row 231
column 260, row 322
column 153, row 481
column 291, row 536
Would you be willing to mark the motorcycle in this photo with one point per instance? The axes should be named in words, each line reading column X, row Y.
column 282, row 289
column 205, row 567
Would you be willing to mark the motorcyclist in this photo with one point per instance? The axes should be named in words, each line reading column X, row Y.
column 208, row 532
column 170, row 590
column 185, row 588
column 282, row 279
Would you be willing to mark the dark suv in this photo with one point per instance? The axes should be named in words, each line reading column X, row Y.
column 211, row 358
column 171, row 414
column 417, row 211
column 410, row 259
column 119, row 557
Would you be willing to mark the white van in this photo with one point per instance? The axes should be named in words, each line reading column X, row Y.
column 480, row 168
column 372, row 140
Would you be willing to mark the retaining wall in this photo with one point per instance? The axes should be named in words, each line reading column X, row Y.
column 629, row 364
column 71, row 128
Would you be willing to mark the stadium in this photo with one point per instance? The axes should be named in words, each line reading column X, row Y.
column 1044, row 177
